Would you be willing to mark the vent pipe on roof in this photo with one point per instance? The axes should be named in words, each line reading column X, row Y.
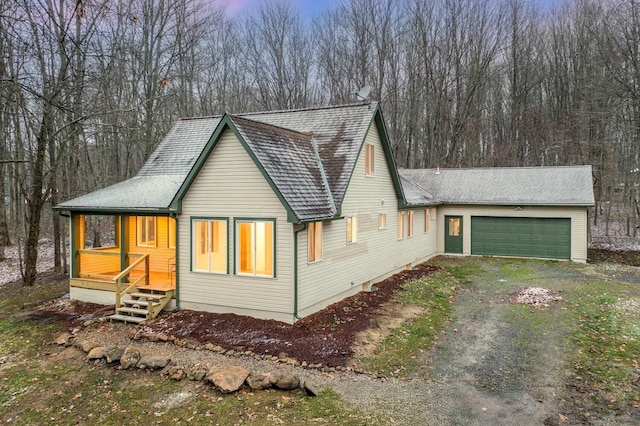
column 437, row 170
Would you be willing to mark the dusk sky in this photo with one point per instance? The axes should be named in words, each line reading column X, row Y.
column 309, row 8
column 306, row 7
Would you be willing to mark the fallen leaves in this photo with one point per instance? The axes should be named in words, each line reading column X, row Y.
column 537, row 297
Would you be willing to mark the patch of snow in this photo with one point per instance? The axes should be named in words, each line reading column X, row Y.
column 174, row 400
column 10, row 267
column 614, row 235
column 537, row 296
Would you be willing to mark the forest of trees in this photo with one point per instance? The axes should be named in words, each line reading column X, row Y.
column 89, row 87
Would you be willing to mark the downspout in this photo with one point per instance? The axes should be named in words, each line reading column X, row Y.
column 295, row 270
column 174, row 216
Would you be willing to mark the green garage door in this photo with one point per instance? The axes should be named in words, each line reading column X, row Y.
column 521, row 236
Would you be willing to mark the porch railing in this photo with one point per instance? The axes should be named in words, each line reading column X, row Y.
column 119, row 279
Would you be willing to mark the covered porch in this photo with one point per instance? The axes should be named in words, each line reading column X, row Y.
column 112, row 252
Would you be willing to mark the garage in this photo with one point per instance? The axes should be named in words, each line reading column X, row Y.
column 521, row 236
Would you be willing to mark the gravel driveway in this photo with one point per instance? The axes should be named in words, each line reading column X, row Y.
column 489, row 367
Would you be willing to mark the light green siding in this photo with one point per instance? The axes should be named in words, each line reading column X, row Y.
column 577, row 215
column 348, row 268
column 231, row 186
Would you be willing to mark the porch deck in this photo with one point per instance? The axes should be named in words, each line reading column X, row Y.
column 158, row 280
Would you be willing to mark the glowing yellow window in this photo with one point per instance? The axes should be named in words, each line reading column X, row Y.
column 352, row 229
column 255, row 248
column 172, row 233
column 401, row 225
column 210, row 246
column 314, row 249
column 369, row 160
column 146, row 231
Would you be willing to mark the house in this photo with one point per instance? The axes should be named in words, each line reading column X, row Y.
column 279, row 214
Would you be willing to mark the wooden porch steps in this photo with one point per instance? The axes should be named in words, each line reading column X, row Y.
column 144, row 304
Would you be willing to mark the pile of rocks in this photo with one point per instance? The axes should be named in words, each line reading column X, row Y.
column 226, row 379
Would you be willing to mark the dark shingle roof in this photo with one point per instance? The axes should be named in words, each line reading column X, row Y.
column 291, row 162
column 337, row 131
column 545, row 186
column 308, row 155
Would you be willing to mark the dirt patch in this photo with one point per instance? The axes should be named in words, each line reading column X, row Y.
column 390, row 317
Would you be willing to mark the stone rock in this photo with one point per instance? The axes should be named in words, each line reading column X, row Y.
column 260, row 381
column 87, row 345
column 129, row 358
column 309, row 388
column 153, row 362
column 176, row 373
column 228, row 379
column 286, row 381
column 113, row 353
column 64, row 339
column 96, row 353
column 197, row 373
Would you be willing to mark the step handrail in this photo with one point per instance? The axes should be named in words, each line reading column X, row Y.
column 118, row 278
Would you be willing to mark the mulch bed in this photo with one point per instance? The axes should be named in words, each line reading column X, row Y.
column 324, row 338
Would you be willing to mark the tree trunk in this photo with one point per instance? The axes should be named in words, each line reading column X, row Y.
column 35, row 202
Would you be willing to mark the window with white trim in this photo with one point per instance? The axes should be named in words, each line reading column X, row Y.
column 410, row 233
column 352, row 229
column 146, row 231
column 209, row 245
column 427, row 218
column 314, row 237
column 171, row 225
column 255, row 247
column 369, row 158
column 382, row 220
column 401, row 225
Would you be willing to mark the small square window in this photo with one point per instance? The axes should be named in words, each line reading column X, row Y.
column 352, row 229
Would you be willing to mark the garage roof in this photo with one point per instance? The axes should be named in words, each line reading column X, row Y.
column 543, row 186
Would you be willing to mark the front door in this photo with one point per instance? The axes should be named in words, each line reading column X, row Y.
column 453, row 234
